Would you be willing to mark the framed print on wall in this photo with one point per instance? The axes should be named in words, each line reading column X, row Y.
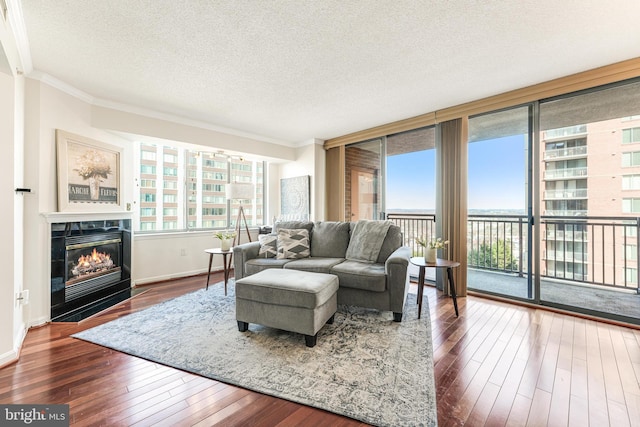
column 88, row 174
column 294, row 198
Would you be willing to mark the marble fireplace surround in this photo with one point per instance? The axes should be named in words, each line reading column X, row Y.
column 63, row 306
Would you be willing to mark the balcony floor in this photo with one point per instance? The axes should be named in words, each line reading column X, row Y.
column 590, row 297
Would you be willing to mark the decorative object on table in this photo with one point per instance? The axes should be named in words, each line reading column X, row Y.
column 198, row 333
column 431, row 247
column 88, row 174
column 240, row 191
column 226, row 238
column 294, row 197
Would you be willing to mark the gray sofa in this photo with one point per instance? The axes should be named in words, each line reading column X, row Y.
column 380, row 282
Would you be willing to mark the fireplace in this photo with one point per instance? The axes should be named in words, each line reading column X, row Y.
column 90, row 267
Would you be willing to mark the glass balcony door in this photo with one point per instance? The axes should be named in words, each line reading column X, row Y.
column 589, row 144
column 500, row 204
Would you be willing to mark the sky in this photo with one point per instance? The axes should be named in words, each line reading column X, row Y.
column 496, row 176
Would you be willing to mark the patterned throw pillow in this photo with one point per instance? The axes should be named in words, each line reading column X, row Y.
column 268, row 245
column 293, row 243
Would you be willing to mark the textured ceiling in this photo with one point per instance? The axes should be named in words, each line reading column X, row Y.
column 292, row 70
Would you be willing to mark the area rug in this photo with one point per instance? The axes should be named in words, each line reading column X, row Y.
column 364, row 366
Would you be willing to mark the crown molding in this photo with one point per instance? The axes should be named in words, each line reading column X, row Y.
column 99, row 102
column 61, row 86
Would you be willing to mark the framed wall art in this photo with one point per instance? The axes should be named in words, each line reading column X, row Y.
column 88, row 174
column 294, row 198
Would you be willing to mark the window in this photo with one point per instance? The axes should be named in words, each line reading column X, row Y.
column 148, row 169
column 148, row 197
column 170, row 171
column 630, row 158
column 169, row 225
column 148, row 155
column 193, row 185
column 170, row 158
column 213, row 187
column 170, row 212
column 631, row 182
column 631, row 205
column 147, row 226
column 214, row 199
column 631, row 252
column 630, row 136
column 214, row 211
column 214, row 175
column 631, row 275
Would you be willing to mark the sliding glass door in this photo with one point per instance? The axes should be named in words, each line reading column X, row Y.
column 590, row 151
column 500, row 203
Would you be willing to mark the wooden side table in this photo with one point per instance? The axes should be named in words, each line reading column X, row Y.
column 227, row 265
column 440, row 263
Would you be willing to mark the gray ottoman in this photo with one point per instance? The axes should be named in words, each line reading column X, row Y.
column 291, row 300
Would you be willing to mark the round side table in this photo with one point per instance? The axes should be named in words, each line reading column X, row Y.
column 440, row 263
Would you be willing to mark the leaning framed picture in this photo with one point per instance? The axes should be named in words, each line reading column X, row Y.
column 88, row 174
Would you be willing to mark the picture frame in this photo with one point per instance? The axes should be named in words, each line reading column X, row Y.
column 294, row 198
column 89, row 174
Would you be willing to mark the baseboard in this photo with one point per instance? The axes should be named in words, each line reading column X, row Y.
column 8, row 358
column 13, row 355
column 165, row 277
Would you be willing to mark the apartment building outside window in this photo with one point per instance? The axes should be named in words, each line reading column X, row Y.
column 183, row 189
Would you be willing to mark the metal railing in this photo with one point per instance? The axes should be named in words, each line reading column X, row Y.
column 596, row 250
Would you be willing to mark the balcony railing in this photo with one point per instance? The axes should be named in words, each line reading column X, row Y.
column 578, row 193
column 596, row 250
column 567, row 173
column 565, row 153
column 414, row 226
column 565, row 132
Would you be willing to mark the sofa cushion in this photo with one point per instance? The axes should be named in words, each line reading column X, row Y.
column 293, row 243
column 329, row 239
column 256, row 265
column 361, row 275
column 313, row 264
column 268, row 245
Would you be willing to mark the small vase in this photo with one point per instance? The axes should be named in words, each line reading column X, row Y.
column 94, row 188
column 225, row 244
column 430, row 255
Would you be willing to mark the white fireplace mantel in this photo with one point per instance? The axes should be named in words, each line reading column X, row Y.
column 61, row 217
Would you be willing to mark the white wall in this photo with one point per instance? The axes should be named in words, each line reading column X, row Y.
column 49, row 109
column 10, row 314
column 166, row 256
column 13, row 326
column 310, row 160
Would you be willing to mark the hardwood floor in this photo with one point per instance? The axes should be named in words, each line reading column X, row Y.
column 497, row 364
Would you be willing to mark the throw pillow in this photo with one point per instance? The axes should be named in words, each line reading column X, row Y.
column 268, row 245
column 293, row 243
